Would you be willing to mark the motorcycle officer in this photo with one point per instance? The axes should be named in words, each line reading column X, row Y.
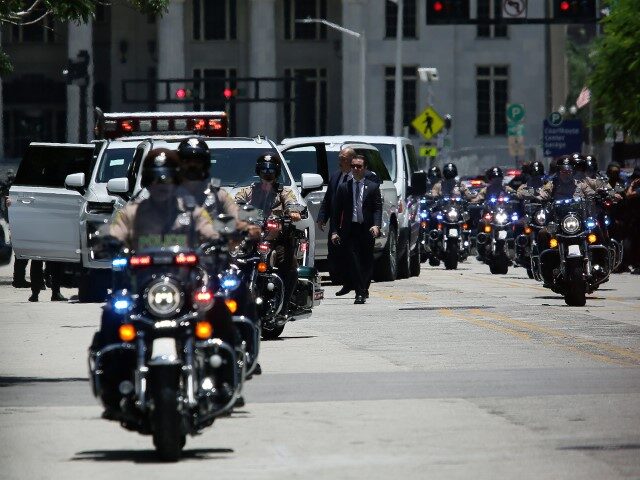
column 434, row 175
column 534, row 182
column 494, row 187
column 449, row 186
column 271, row 197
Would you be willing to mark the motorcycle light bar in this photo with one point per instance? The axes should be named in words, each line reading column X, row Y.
column 142, row 261
column 186, row 259
column 115, row 125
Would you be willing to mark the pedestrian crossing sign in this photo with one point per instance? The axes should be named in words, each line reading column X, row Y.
column 428, row 123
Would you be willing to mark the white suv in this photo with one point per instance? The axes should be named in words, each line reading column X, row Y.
column 399, row 158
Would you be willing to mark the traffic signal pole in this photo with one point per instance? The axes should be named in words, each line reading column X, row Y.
column 397, row 101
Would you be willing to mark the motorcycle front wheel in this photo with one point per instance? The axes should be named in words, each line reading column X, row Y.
column 576, row 292
column 167, row 435
column 271, row 333
column 451, row 257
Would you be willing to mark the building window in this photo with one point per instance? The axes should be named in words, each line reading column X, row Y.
column 308, row 114
column 39, row 32
column 214, row 19
column 490, row 9
column 409, row 96
column 408, row 19
column 209, row 85
column 299, row 9
column 492, row 87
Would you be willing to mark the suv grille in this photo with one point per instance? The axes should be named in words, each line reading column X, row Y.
column 100, row 207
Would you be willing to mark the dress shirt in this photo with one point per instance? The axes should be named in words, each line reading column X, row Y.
column 357, row 202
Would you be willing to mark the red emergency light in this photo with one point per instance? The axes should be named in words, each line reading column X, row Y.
column 564, row 6
column 115, row 125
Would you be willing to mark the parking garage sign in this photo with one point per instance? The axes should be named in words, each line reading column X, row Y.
column 561, row 139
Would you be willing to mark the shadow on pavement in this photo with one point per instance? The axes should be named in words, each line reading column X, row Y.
column 9, row 381
column 148, row 456
column 292, row 337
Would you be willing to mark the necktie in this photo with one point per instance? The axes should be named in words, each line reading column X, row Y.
column 344, row 177
column 359, row 202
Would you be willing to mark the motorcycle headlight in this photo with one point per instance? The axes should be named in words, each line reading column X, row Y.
column 501, row 217
column 540, row 217
column 229, row 281
column 164, row 298
column 452, row 215
column 570, row 224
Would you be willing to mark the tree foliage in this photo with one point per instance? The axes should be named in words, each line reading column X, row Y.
column 28, row 12
column 615, row 80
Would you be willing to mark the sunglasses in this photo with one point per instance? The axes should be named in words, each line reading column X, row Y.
column 357, row 167
column 267, row 168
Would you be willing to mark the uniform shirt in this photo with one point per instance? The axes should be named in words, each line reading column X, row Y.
column 530, row 189
column 142, row 224
column 558, row 190
column 488, row 191
column 451, row 188
column 269, row 201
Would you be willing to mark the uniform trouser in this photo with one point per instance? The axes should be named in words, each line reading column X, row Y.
column 20, row 269
column 37, row 276
column 287, row 265
column 359, row 251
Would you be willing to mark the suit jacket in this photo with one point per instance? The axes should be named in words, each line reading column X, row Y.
column 326, row 208
column 342, row 214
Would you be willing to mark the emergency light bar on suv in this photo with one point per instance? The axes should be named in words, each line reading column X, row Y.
column 117, row 125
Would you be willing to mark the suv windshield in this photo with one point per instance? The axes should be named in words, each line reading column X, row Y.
column 374, row 162
column 115, row 164
column 236, row 167
column 388, row 154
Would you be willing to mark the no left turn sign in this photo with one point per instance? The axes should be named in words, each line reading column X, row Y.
column 514, row 8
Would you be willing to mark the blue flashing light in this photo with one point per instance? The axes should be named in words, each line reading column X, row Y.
column 424, row 214
column 121, row 305
column 229, row 281
column 118, row 263
column 607, row 220
column 439, row 216
column 514, row 217
column 590, row 223
column 492, row 199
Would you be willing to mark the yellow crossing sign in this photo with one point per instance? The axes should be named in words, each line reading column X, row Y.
column 428, row 123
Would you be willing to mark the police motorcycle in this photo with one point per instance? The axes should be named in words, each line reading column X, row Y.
column 575, row 262
column 449, row 239
column 265, row 279
column 425, row 206
column 495, row 235
column 534, row 219
column 175, row 366
column 606, row 218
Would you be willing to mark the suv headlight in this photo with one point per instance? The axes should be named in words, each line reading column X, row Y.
column 570, row 224
column 540, row 217
column 452, row 215
column 164, row 298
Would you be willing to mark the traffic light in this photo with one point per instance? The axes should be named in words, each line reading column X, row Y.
column 77, row 69
column 443, row 12
column 574, row 11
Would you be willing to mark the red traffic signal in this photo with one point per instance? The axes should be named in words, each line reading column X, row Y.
column 574, row 11
column 437, row 7
column 443, row 12
column 564, row 6
column 181, row 93
column 228, row 93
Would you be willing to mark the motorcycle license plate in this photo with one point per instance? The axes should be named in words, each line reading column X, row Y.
column 163, row 350
column 453, row 232
column 573, row 251
column 502, row 234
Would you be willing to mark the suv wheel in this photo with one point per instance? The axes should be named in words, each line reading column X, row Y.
column 387, row 265
column 404, row 261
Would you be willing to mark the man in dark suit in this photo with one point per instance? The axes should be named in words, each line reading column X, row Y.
column 355, row 223
column 335, row 256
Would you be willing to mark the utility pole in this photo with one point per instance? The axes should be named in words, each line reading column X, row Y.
column 398, row 84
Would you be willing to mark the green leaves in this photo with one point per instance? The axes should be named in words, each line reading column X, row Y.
column 615, row 81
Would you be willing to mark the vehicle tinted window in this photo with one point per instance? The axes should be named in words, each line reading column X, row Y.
column 413, row 159
column 48, row 166
column 115, row 164
column 388, row 154
column 304, row 160
column 236, row 167
column 375, row 164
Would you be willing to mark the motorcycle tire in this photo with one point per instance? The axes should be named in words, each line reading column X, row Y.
column 272, row 333
column 434, row 262
column 575, row 294
column 499, row 266
column 167, row 436
column 451, row 258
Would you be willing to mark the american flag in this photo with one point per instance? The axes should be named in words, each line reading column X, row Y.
column 583, row 98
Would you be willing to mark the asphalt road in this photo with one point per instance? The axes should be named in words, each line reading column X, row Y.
column 455, row 374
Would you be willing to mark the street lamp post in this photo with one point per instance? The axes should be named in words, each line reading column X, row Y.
column 363, row 63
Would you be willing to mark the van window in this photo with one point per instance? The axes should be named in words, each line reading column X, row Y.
column 49, row 165
column 306, row 159
column 236, row 167
column 115, row 164
column 388, row 154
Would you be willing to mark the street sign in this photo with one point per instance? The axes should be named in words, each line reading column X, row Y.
column 516, row 146
column 555, row 119
column 515, row 112
column 428, row 123
column 514, row 8
column 428, row 151
column 561, row 139
column 515, row 129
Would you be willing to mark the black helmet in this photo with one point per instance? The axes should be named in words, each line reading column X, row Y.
column 434, row 173
column 592, row 163
column 495, row 172
column 450, row 171
column 536, row 168
column 160, row 164
column 579, row 162
column 195, row 149
column 565, row 163
column 268, row 163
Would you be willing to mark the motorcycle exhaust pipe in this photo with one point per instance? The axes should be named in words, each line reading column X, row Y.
column 482, row 238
